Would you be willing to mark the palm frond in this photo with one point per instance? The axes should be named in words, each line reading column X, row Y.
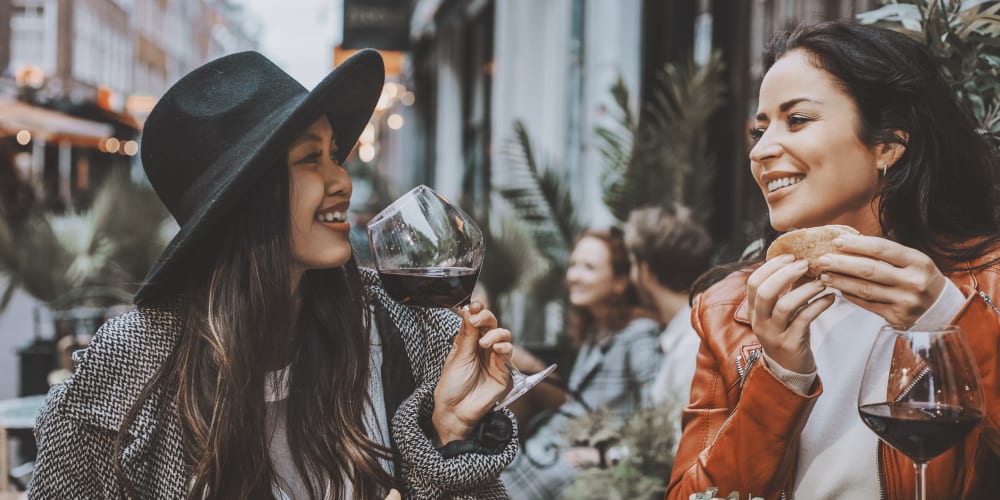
column 615, row 145
column 963, row 36
column 512, row 260
column 113, row 244
column 540, row 199
column 663, row 159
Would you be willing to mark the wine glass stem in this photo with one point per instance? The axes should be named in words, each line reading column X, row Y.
column 921, row 485
column 515, row 374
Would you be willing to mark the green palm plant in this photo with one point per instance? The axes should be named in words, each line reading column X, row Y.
column 647, row 163
column 508, row 263
column 542, row 202
column 964, row 37
column 663, row 158
column 112, row 244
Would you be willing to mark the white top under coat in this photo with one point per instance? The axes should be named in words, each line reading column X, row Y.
column 276, row 394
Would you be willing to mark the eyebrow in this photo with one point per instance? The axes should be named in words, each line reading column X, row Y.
column 311, row 137
column 785, row 106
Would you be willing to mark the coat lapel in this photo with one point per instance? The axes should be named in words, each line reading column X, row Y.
column 124, row 355
column 403, row 317
column 592, row 357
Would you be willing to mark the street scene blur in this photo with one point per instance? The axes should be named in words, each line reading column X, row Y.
column 600, row 145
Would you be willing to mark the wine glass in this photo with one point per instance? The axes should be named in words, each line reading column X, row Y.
column 920, row 392
column 428, row 253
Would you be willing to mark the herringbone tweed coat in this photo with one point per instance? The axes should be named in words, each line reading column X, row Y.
column 77, row 428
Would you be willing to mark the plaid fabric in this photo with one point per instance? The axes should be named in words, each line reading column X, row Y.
column 78, row 425
column 617, row 375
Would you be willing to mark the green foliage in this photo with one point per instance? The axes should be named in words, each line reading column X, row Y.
column 640, row 449
column 964, row 37
column 663, row 158
column 659, row 160
column 111, row 245
column 543, row 204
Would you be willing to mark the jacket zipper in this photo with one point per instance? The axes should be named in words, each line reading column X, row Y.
column 989, row 302
column 878, row 470
column 744, row 371
column 911, row 385
column 878, row 446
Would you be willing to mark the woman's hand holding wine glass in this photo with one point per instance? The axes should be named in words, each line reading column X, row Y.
column 428, row 253
column 474, row 376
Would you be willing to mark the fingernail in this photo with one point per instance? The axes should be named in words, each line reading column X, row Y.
column 824, row 277
column 825, row 261
column 838, row 242
column 802, row 264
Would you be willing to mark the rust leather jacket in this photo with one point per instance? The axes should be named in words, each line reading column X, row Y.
column 741, row 427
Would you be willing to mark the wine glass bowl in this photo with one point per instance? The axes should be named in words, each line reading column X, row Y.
column 920, row 392
column 428, row 253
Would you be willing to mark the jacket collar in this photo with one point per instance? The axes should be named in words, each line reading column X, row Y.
column 124, row 355
column 112, row 372
column 405, row 318
column 742, row 314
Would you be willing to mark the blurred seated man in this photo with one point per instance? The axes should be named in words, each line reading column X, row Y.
column 668, row 250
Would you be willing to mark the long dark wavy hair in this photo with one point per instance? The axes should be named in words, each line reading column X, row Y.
column 238, row 312
column 941, row 195
column 622, row 308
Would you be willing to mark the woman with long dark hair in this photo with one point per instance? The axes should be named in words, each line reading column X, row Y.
column 615, row 367
column 855, row 126
column 252, row 367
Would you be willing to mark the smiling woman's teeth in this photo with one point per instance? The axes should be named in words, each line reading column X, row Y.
column 780, row 183
column 332, row 217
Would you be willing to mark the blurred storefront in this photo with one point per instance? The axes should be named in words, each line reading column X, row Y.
column 77, row 78
column 101, row 61
column 474, row 67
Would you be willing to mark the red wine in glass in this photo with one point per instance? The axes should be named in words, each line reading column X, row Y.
column 920, row 431
column 428, row 253
column 430, row 287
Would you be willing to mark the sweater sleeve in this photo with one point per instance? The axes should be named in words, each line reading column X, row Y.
column 748, row 446
column 428, row 473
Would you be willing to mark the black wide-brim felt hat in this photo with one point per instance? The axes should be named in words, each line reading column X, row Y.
column 215, row 131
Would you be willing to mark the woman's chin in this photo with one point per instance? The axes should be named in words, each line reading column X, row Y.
column 783, row 222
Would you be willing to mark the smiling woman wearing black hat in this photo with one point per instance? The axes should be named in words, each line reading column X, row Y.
column 261, row 361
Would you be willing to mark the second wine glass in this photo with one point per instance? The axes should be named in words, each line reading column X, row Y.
column 428, row 253
column 920, row 393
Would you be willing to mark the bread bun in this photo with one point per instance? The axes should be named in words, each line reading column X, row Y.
column 810, row 243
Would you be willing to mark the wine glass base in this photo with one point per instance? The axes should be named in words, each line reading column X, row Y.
column 522, row 385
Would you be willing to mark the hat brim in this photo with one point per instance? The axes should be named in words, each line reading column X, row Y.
column 347, row 96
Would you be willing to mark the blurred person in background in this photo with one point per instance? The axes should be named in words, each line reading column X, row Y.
column 855, row 126
column 261, row 362
column 614, row 370
column 668, row 250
